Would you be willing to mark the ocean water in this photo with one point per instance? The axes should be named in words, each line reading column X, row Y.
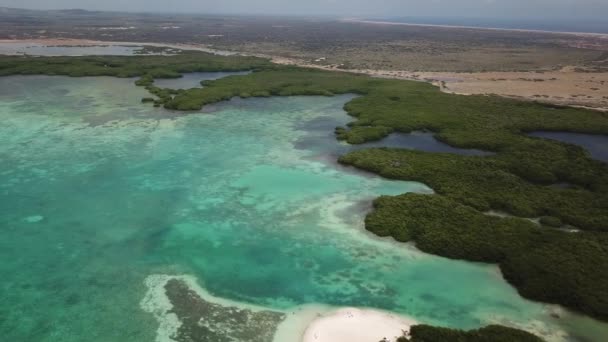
column 99, row 191
column 573, row 24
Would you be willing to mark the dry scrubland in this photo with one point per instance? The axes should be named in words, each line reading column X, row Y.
column 355, row 45
column 429, row 55
column 573, row 68
column 566, row 86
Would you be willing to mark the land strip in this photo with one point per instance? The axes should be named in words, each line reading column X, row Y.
column 581, row 86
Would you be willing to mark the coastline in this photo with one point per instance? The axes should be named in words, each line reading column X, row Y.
column 560, row 87
column 358, row 325
column 380, row 22
column 89, row 42
column 304, row 323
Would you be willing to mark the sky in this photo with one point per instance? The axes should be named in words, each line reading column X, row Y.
column 514, row 9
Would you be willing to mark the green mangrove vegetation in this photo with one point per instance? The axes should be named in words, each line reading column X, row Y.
column 491, row 333
column 148, row 66
column 542, row 262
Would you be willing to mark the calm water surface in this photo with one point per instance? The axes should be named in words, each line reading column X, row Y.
column 321, row 137
column 193, row 79
column 36, row 49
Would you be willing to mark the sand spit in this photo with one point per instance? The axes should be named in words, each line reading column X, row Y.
column 357, row 325
column 187, row 312
column 157, row 303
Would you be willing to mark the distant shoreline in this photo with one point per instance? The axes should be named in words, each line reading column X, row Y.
column 379, row 22
column 559, row 86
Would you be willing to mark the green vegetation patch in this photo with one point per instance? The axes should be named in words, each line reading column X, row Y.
column 149, row 67
column 544, row 264
column 491, row 333
column 491, row 183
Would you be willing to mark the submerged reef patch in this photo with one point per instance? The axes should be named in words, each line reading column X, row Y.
column 188, row 313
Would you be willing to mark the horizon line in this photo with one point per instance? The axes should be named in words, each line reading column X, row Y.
column 380, row 20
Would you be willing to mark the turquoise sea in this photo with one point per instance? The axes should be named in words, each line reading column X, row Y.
column 99, row 192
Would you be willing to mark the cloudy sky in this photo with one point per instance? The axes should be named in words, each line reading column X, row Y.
column 573, row 9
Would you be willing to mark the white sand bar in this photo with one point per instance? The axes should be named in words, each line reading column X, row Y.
column 357, row 325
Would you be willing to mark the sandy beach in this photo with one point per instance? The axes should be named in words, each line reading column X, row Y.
column 307, row 323
column 357, row 325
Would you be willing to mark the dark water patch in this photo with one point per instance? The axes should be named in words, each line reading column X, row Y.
column 193, row 79
column 564, row 185
column 321, row 124
column 595, row 144
column 422, row 141
column 206, row 321
column 321, row 137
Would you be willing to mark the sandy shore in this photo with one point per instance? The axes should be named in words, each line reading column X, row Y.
column 306, row 323
column 357, row 325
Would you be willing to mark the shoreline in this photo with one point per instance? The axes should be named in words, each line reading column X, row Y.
column 380, row 22
column 562, row 87
column 89, row 42
column 303, row 323
column 358, row 325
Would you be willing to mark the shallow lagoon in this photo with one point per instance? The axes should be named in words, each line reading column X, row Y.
column 193, row 79
column 321, row 137
column 37, row 49
column 423, row 141
column 90, row 208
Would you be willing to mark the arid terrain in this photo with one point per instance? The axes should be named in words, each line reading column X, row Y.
column 562, row 68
